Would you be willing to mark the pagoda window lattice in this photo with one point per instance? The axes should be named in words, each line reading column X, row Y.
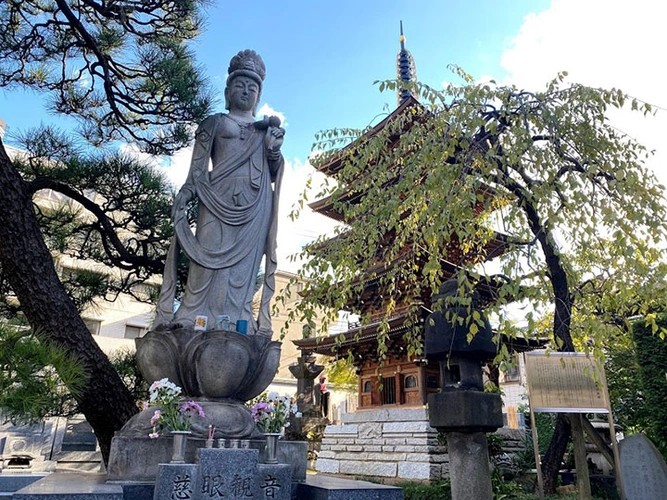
column 410, row 382
column 388, row 391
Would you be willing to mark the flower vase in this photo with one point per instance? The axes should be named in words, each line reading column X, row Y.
column 272, row 447
column 178, row 446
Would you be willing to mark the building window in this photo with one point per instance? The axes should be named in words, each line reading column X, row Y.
column 93, row 325
column 512, row 374
column 432, row 382
column 388, row 391
column 133, row 332
column 367, row 386
column 410, row 382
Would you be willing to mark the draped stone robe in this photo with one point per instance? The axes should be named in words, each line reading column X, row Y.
column 233, row 179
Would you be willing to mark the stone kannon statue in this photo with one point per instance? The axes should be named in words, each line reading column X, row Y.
column 235, row 175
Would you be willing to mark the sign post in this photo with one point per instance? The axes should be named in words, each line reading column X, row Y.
column 568, row 382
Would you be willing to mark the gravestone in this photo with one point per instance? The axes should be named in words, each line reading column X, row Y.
column 178, row 481
column 643, row 469
column 226, row 473
column 273, row 481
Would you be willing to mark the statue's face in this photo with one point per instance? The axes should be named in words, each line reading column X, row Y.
column 242, row 93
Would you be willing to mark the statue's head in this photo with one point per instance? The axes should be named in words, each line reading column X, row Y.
column 247, row 64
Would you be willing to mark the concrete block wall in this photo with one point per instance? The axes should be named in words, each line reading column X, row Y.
column 392, row 444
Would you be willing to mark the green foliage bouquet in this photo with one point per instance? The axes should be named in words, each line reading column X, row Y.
column 271, row 412
column 172, row 414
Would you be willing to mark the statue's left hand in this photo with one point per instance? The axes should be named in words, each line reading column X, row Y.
column 273, row 140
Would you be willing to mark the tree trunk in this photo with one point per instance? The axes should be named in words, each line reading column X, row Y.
column 555, row 452
column 562, row 318
column 561, row 331
column 28, row 265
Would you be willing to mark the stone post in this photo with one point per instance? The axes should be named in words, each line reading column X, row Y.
column 462, row 410
column 305, row 371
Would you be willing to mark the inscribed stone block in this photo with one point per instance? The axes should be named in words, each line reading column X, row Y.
column 370, row 430
column 273, row 481
column 227, row 473
column 176, row 481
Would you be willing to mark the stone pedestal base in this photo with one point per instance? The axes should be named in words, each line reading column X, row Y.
column 137, row 459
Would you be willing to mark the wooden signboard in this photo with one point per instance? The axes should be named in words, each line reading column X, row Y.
column 566, row 383
column 569, row 382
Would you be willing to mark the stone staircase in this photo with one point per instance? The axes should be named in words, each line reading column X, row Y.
column 78, row 451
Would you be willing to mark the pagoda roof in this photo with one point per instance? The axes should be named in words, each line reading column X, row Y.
column 327, row 205
column 362, row 341
column 335, row 162
column 371, row 277
column 485, row 286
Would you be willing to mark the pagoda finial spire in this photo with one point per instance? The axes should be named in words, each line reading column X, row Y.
column 405, row 68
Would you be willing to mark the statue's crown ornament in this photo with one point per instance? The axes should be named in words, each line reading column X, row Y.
column 247, row 63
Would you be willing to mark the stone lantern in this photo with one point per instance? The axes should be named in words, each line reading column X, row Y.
column 462, row 410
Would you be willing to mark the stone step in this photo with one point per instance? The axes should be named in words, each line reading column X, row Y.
column 79, row 461
column 14, row 481
column 71, row 486
column 318, row 487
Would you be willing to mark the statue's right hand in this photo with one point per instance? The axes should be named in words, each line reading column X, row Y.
column 180, row 202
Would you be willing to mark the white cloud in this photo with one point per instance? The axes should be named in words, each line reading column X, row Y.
column 266, row 110
column 602, row 43
column 293, row 235
column 178, row 165
column 133, row 151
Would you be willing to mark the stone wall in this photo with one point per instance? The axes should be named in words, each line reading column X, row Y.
column 392, row 444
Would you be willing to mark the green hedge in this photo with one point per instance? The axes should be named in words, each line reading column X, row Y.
column 652, row 360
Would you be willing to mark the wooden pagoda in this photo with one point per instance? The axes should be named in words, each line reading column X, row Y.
column 399, row 380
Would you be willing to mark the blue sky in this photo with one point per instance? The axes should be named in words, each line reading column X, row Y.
column 323, row 57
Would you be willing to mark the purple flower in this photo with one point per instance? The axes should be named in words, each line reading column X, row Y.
column 260, row 409
column 191, row 409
